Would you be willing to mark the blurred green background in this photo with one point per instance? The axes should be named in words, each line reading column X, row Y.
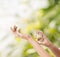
column 45, row 17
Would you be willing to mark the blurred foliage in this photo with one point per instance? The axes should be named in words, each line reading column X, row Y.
column 47, row 20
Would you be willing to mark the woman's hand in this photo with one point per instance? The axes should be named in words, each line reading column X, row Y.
column 42, row 39
column 17, row 32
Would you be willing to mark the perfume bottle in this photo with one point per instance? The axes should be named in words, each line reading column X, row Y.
column 39, row 37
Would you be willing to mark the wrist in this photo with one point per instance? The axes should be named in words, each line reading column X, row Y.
column 29, row 38
column 49, row 45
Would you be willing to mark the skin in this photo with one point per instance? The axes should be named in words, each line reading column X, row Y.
column 37, row 47
column 47, row 43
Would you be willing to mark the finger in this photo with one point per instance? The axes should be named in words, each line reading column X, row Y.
column 40, row 39
column 39, row 32
column 19, row 30
column 14, row 28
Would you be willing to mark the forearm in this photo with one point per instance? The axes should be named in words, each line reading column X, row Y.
column 38, row 48
column 55, row 50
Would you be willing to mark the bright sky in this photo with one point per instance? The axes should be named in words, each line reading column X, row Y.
column 24, row 8
column 8, row 11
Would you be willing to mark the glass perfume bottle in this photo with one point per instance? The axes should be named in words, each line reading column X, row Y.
column 38, row 36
